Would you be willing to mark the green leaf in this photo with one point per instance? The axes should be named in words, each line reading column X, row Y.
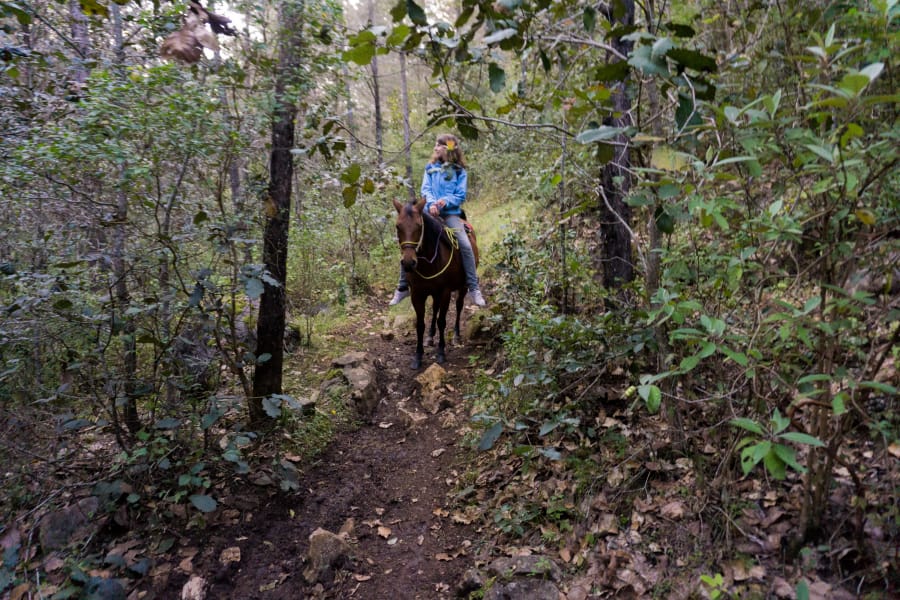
column 272, row 406
column 92, row 7
column 775, row 465
column 203, row 503
column 693, row 59
column 398, row 35
column 652, row 396
column 589, row 18
column 416, row 14
column 490, row 437
column 604, row 132
column 738, row 357
column 881, row 387
column 349, row 194
column 351, row 174
column 254, row 288
column 689, row 363
column 361, row 55
column 616, row 71
column 497, row 76
column 551, row 453
column 802, row 438
column 748, row 424
column 788, row 457
column 641, row 59
column 679, row 30
column 660, row 47
column 821, row 151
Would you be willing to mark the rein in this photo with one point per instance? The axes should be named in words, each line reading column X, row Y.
column 454, row 245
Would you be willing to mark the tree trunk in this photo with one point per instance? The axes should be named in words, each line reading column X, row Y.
column 376, row 93
column 267, row 377
column 127, row 401
column 615, row 181
column 82, row 41
column 407, row 138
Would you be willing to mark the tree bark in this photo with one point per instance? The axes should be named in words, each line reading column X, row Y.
column 267, row 377
column 615, row 180
column 407, row 138
column 376, row 93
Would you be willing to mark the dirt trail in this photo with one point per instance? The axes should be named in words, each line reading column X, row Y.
column 393, row 480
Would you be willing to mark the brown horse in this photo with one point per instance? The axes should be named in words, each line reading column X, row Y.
column 430, row 256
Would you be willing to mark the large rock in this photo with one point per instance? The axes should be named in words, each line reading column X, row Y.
column 523, row 589
column 434, row 398
column 327, row 552
column 360, row 372
column 70, row 524
column 525, row 566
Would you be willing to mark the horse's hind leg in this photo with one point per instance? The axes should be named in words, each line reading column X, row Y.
column 460, row 300
column 429, row 341
column 442, row 326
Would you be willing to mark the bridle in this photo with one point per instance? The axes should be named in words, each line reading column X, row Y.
column 454, row 244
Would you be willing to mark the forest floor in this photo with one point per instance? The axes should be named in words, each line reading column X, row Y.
column 609, row 509
column 388, row 485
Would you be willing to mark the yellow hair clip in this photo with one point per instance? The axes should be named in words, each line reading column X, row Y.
column 451, row 144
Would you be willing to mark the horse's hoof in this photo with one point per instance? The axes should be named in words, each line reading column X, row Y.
column 416, row 364
column 441, row 358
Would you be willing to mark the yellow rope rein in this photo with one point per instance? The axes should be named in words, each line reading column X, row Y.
column 454, row 245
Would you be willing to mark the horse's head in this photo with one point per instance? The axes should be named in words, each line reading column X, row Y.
column 410, row 231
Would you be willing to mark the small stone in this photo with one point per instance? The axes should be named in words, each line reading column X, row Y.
column 194, row 589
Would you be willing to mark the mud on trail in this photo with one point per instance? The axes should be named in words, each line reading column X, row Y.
column 389, row 485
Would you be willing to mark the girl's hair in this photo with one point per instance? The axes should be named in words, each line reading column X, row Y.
column 454, row 150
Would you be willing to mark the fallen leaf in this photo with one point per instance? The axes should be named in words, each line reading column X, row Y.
column 384, row 532
column 392, row 541
column 438, row 452
column 230, row 555
column 894, row 449
column 362, row 577
column 672, row 510
column 385, row 425
column 565, row 554
column 443, row 556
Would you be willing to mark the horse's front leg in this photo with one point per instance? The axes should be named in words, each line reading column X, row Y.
column 442, row 326
column 420, row 333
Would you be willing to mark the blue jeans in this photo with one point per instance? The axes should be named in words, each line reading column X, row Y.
column 465, row 251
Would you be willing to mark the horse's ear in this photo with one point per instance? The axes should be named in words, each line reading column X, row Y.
column 420, row 204
column 398, row 205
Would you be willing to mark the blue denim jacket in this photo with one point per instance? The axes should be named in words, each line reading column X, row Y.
column 444, row 182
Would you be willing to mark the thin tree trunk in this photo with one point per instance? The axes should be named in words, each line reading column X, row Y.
column 615, row 181
column 82, row 41
column 376, row 93
column 120, row 271
column 407, row 138
column 267, row 378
